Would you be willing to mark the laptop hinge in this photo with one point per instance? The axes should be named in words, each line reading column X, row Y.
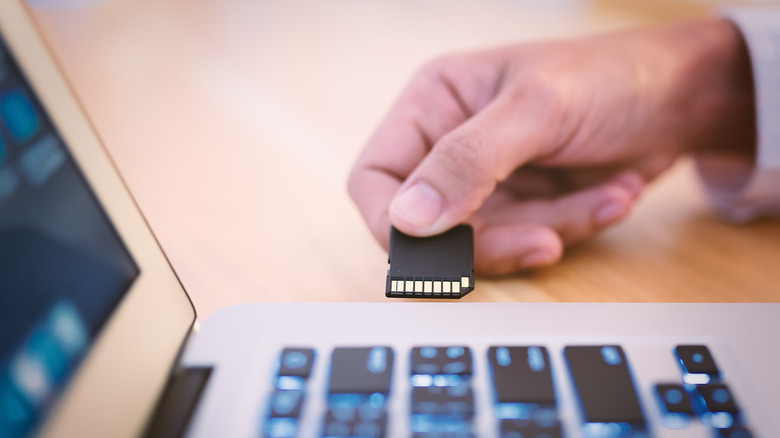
column 178, row 401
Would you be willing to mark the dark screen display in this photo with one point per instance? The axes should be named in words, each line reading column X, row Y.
column 63, row 267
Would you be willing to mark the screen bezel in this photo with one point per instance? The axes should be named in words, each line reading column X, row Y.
column 115, row 388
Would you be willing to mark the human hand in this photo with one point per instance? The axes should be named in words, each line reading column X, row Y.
column 545, row 144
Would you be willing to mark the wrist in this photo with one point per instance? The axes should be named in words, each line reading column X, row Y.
column 716, row 88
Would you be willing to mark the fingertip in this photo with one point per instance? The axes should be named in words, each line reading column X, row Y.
column 611, row 211
column 511, row 248
column 631, row 182
column 548, row 251
column 420, row 211
column 538, row 258
column 619, row 196
column 416, row 209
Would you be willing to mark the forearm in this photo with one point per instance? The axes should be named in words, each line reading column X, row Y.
column 746, row 186
column 714, row 93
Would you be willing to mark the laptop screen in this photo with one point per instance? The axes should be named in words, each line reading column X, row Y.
column 63, row 267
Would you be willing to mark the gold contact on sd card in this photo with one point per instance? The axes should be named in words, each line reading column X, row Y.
column 440, row 266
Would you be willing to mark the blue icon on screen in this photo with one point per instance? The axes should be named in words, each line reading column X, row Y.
column 3, row 150
column 39, row 162
column 43, row 347
column 16, row 415
column 9, row 181
column 18, row 115
column 38, row 367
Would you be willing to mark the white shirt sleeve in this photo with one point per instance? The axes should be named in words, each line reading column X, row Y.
column 747, row 190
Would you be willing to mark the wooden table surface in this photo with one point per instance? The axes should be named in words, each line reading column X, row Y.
column 235, row 124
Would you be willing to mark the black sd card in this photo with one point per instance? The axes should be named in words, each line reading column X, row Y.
column 431, row 267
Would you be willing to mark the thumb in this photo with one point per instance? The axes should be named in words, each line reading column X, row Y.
column 462, row 169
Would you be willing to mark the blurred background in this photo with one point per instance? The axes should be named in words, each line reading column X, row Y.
column 235, row 124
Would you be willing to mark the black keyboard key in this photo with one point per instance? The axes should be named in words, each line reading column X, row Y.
column 428, row 426
column 350, row 408
column 531, row 429
column 444, row 434
column 296, row 362
column 280, row 428
column 447, row 362
column 697, row 364
column 734, row 432
column 674, row 399
column 285, row 404
column 603, row 385
column 521, row 375
column 451, row 401
column 295, row 365
column 361, row 422
column 361, row 370
column 718, row 398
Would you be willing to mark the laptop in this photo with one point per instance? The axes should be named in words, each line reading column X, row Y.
column 98, row 337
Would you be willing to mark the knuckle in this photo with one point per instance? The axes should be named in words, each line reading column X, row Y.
column 436, row 66
column 428, row 74
column 422, row 95
column 546, row 101
column 544, row 95
column 443, row 70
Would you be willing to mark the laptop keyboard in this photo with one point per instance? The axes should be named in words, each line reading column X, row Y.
column 438, row 396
